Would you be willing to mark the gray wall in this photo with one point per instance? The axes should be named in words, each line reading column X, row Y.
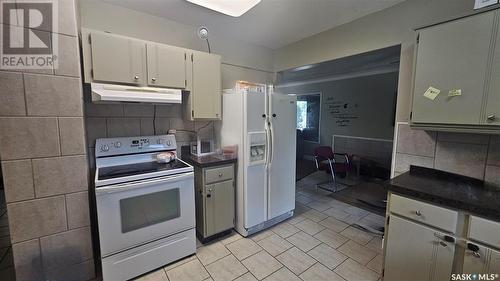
column 370, row 101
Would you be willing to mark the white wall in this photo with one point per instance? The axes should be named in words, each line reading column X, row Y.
column 389, row 27
column 240, row 61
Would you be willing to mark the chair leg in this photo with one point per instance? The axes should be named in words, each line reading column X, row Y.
column 332, row 171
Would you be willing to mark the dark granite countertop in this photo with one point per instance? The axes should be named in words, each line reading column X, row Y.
column 209, row 160
column 449, row 190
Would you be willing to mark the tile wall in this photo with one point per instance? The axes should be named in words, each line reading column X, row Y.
column 472, row 155
column 127, row 120
column 44, row 163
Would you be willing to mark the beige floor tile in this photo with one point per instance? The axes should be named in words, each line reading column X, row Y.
column 190, row 271
column 296, row 260
column 158, row 275
column 179, row 262
column 356, row 211
column 230, row 238
column 296, row 219
column 327, row 255
column 357, row 252
column 261, row 235
column 314, row 215
column 352, row 219
column 333, row 224
column 303, row 241
column 225, row 269
column 353, row 271
column 376, row 264
column 357, row 235
column 319, row 272
column 285, row 229
column 309, row 227
column 374, row 219
column 282, row 275
column 375, row 244
column 243, row 248
column 246, row 277
column 212, row 252
column 275, row 245
column 261, row 264
column 318, row 206
column 331, row 238
column 336, row 213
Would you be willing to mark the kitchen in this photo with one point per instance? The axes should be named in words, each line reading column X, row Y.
column 50, row 123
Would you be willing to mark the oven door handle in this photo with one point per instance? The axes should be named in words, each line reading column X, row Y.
column 140, row 184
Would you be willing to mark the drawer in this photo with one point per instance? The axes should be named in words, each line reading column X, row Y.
column 220, row 173
column 432, row 215
column 484, row 231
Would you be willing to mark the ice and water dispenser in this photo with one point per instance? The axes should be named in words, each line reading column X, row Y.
column 257, row 147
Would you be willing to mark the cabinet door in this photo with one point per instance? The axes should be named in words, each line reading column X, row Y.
column 416, row 253
column 483, row 260
column 118, row 59
column 492, row 114
column 166, row 66
column 219, row 213
column 206, row 88
column 452, row 56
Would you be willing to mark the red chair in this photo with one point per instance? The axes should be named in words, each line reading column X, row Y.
column 324, row 157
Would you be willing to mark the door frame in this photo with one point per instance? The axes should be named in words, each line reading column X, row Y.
column 320, row 93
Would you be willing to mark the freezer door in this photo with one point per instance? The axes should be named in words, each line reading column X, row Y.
column 281, row 166
column 255, row 185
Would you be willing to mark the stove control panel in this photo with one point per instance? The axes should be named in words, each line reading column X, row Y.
column 130, row 145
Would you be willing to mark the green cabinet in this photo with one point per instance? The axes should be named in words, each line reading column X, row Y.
column 215, row 199
column 458, row 59
column 117, row 59
column 166, row 66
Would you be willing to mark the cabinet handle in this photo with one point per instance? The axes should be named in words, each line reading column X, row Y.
column 476, row 255
column 491, row 117
column 136, row 77
column 220, row 175
column 418, row 213
column 153, row 79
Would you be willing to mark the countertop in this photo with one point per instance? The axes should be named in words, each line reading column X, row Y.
column 209, row 160
column 449, row 190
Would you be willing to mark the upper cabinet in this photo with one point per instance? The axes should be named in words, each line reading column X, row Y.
column 110, row 58
column 166, row 66
column 204, row 101
column 118, row 59
column 458, row 59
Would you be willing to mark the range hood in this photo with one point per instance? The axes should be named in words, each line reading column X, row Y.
column 120, row 93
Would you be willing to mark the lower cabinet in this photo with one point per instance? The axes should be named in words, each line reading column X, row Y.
column 479, row 259
column 417, row 252
column 219, row 207
column 215, row 200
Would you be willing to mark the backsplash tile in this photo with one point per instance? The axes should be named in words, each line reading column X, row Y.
column 473, row 155
column 60, row 175
column 72, row 137
column 461, row 158
column 123, row 127
column 416, row 142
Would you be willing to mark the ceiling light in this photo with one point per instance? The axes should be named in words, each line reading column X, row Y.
column 234, row 8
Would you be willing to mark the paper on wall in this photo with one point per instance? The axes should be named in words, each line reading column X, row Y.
column 484, row 3
column 432, row 93
column 455, row 92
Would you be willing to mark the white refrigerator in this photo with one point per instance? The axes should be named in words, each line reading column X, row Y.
column 263, row 125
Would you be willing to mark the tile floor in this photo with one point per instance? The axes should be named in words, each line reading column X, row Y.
column 317, row 244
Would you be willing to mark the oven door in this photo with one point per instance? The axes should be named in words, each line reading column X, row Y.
column 134, row 213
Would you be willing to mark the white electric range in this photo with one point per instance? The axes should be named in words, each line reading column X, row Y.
column 145, row 209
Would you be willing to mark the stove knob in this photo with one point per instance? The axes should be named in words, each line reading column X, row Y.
column 159, row 141
column 118, row 144
column 169, row 143
column 104, row 148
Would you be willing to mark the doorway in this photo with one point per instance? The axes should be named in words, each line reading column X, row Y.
column 346, row 116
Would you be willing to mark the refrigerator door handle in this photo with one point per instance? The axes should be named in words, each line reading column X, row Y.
column 268, row 144
column 271, row 143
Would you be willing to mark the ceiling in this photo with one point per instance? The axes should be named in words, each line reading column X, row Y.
column 272, row 23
